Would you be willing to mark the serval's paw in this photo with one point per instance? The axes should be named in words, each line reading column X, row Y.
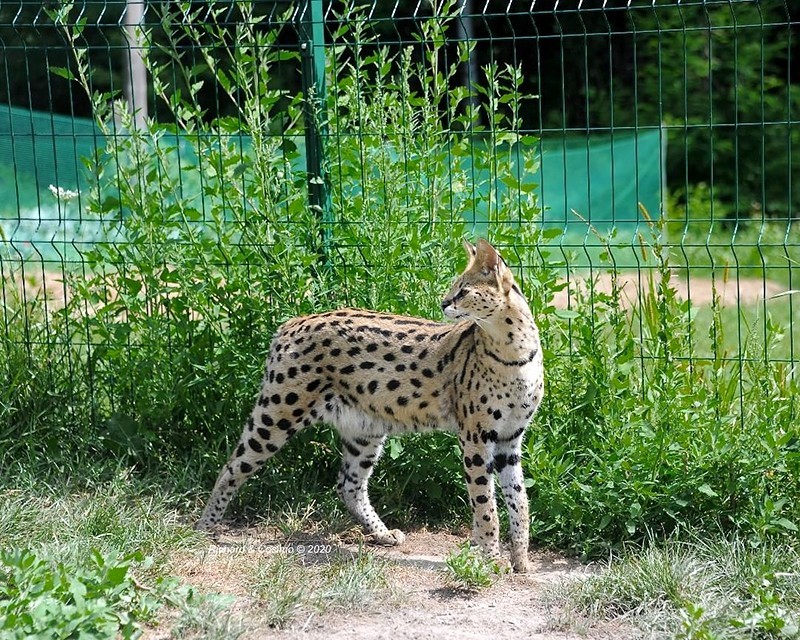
column 392, row 538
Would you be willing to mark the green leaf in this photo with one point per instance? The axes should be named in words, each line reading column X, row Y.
column 786, row 524
column 707, row 490
column 131, row 286
column 566, row 314
column 115, row 576
column 239, row 170
column 395, row 448
column 62, row 72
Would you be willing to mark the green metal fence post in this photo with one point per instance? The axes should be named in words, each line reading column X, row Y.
column 312, row 51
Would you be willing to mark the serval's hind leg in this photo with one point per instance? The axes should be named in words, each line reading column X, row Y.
column 359, row 456
column 266, row 431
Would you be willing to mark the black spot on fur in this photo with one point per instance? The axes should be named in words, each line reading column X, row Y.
column 309, row 348
column 352, row 450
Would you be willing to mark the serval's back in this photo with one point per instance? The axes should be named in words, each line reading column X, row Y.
column 373, row 374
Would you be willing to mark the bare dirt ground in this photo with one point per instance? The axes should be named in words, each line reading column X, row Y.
column 419, row 602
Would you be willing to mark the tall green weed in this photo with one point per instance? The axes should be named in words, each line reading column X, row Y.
column 640, row 438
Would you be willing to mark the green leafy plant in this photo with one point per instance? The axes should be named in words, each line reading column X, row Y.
column 468, row 568
column 103, row 599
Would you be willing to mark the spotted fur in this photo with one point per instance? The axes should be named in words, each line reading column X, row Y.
column 373, row 374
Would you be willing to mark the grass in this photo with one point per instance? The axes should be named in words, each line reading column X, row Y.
column 286, row 586
column 697, row 589
column 97, row 559
column 123, row 515
column 87, row 557
column 768, row 330
column 96, row 556
column 207, row 616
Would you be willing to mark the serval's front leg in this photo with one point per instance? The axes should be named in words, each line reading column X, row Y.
column 507, row 465
column 480, row 486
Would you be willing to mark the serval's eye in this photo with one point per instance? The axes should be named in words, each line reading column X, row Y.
column 461, row 293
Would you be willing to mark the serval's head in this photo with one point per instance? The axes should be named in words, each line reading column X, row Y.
column 485, row 287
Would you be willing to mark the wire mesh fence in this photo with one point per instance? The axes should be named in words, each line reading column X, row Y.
column 636, row 163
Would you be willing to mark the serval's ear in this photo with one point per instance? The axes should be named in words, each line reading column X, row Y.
column 492, row 262
column 487, row 258
column 470, row 249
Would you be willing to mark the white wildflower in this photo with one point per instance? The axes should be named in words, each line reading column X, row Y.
column 64, row 195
